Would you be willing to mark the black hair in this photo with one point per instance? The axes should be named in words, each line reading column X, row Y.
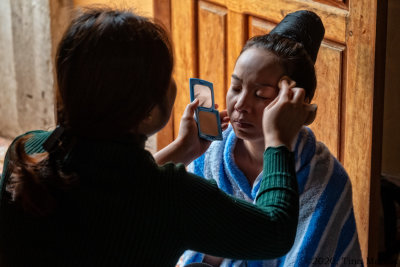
column 293, row 57
column 112, row 68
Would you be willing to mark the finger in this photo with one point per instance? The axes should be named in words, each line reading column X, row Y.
column 273, row 102
column 285, row 81
column 223, row 113
column 299, row 95
column 190, row 108
column 226, row 119
column 284, row 94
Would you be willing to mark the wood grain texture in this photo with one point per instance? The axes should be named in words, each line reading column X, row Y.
column 334, row 18
column 349, row 107
column 336, row 3
column 359, row 112
column 212, row 32
column 60, row 13
column 259, row 26
column 328, row 96
column 184, row 36
column 237, row 36
column 162, row 13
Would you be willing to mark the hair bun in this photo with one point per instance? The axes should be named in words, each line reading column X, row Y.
column 305, row 27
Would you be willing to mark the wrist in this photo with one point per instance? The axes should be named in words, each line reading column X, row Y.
column 274, row 141
column 184, row 150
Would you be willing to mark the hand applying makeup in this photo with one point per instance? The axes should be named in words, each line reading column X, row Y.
column 284, row 116
column 188, row 145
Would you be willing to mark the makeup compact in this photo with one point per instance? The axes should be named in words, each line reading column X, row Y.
column 207, row 117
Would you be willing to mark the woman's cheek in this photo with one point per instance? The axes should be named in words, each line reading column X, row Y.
column 230, row 103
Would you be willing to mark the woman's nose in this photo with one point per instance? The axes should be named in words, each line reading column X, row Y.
column 242, row 103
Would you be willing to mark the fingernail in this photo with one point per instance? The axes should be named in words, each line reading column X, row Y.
column 290, row 82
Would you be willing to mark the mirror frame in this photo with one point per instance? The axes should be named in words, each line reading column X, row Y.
column 192, row 83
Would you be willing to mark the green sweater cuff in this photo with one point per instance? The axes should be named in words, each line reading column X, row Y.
column 279, row 172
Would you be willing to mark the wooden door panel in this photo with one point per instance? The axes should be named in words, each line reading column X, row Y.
column 212, row 31
column 236, row 24
column 328, row 96
column 334, row 18
column 209, row 35
column 337, row 3
column 259, row 26
column 184, row 36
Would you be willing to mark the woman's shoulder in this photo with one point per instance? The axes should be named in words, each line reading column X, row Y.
column 35, row 140
column 172, row 170
column 32, row 145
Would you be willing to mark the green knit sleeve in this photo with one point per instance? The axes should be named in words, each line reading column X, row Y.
column 33, row 145
column 221, row 225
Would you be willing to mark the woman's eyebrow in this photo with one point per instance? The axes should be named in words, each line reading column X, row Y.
column 264, row 84
column 234, row 76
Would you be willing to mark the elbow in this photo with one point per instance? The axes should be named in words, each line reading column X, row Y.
column 288, row 237
column 287, row 243
column 282, row 245
column 285, row 235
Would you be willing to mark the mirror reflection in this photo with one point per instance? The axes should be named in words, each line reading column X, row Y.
column 208, row 123
column 203, row 93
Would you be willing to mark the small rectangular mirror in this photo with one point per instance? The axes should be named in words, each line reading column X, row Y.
column 207, row 117
column 203, row 93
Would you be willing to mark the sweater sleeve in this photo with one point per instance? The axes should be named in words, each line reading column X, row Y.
column 221, row 225
column 33, row 145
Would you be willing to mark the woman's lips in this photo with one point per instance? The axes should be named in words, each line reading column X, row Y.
column 242, row 124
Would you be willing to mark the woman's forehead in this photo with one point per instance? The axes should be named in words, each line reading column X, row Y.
column 256, row 62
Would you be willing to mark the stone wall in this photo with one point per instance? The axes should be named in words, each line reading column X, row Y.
column 26, row 70
column 30, row 31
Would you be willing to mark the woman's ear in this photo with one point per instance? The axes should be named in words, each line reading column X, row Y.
column 146, row 125
column 153, row 122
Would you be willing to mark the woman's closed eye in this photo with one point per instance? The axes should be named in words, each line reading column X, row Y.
column 266, row 93
column 236, row 88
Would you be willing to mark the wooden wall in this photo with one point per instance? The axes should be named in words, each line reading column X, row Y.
column 142, row 7
column 208, row 36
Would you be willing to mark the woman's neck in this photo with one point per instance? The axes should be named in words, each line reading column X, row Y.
column 255, row 149
column 249, row 157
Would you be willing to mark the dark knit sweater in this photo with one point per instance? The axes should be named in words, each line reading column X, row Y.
column 127, row 211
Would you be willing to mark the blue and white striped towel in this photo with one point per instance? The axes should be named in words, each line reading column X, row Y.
column 326, row 234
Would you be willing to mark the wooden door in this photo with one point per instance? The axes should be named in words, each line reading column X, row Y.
column 208, row 36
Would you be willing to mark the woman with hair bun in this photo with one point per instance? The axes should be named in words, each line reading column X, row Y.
column 89, row 194
column 326, row 233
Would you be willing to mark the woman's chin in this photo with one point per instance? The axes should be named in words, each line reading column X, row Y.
column 247, row 134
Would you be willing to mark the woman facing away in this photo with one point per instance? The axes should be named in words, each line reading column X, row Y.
column 89, row 194
column 326, row 233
